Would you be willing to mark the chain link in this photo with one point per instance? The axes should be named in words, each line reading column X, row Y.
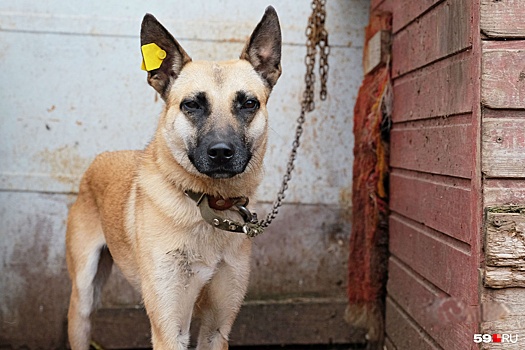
column 317, row 37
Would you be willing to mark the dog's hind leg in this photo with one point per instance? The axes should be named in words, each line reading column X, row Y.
column 89, row 264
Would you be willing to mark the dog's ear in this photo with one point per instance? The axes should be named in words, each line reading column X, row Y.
column 175, row 56
column 263, row 49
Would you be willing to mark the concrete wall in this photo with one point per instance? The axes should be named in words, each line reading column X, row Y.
column 72, row 87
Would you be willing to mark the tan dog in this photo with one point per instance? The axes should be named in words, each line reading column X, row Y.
column 132, row 207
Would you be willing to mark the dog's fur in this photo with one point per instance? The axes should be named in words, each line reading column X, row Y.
column 132, row 207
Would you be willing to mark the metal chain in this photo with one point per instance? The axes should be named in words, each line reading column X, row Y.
column 317, row 37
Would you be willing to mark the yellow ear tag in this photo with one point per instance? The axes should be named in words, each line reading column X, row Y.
column 152, row 56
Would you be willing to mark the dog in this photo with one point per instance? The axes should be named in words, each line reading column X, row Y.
column 142, row 209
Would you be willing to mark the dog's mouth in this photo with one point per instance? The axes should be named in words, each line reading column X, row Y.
column 220, row 170
column 220, row 174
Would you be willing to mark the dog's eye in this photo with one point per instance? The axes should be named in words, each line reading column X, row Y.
column 190, row 105
column 250, row 104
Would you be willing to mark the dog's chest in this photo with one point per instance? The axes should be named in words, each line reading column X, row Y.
column 203, row 252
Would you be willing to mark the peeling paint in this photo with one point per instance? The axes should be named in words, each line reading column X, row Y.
column 34, row 286
column 64, row 163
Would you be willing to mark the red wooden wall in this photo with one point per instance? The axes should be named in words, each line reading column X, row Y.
column 435, row 183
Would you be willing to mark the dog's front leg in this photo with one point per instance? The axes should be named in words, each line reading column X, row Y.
column 170, row 288
column 222, row 299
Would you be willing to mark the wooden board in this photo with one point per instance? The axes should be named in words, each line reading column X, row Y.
column 505, row 247
column 439, row 146
column 503, row 147
column 503, row 19
column 377, row 51
column 378, row 3
column 504, row 277
column 505, row 237
column 441, row 32
column 389, row 345
column 438, row 202
column 420, row 248
column 504, row 312
column 408, row 10
column 441, row 89
column 297, row 321
column 404, row 331
column 503, row 192
column 503, row 77
column 435, row 181
column 489, row 113
column 447, row 320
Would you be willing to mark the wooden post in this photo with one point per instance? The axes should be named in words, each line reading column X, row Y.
column 369, row 239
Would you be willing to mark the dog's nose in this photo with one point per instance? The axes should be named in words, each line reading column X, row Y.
column 221, row 152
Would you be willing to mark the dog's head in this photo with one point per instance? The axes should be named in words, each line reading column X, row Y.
column 215, row 119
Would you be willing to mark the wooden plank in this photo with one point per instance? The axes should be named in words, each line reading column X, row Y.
column 503, row 78
column 449, row 321
column 505, row 247
column 408, row 10
column 420, row 248
column 489, row 113
column 503, row 19
column 504, row 277
column 438, row 146
column 389, row 345
column 403, row 332
column 503, row 148
column 504, row 312
column 377, row 51
column 439, row 202
column 441, row 89
column 476, row 199
column 439, row 33
column 505, row 236
column 121, row 328
column 381, row 5
column 315, row 321
column 503, row 192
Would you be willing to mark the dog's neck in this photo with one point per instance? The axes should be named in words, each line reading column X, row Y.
column 209, row 206
column 217, row 203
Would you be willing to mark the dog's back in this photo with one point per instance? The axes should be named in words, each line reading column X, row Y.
column 107, row 170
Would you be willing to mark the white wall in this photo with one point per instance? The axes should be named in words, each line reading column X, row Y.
column 72, row 86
